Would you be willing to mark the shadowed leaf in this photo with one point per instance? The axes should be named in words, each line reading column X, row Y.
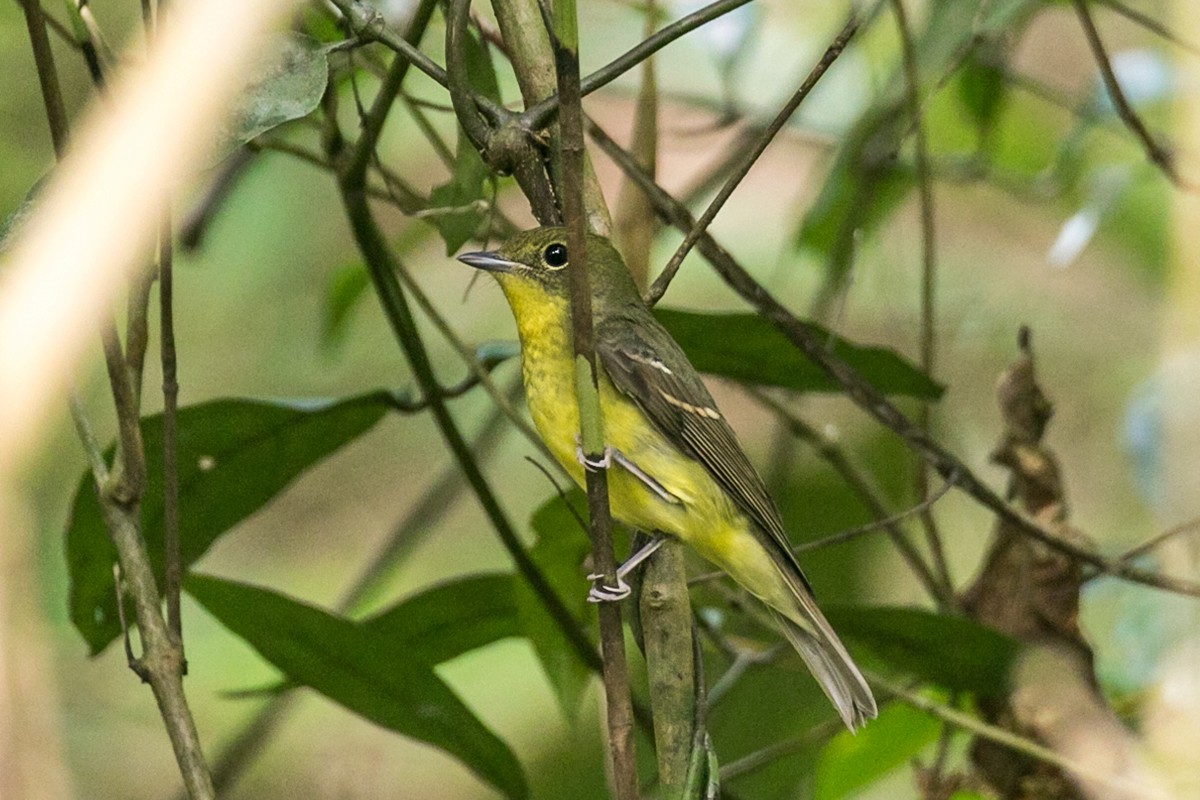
column 234, row 456
column 952, row 652
column 362, row 670
column 749, row 349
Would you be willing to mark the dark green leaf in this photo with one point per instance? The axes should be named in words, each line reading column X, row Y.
column 234, row 456
column 449, row 619
column 345, row 289
column 481, row 73
column 852, row 761
column 981, row 86
column 867, row 181
column 952, row 652
column 559, row 552
column 286, row 85
column 353, row 666
column 749, row 349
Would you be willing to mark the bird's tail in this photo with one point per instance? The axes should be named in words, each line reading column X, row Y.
column 813, row 637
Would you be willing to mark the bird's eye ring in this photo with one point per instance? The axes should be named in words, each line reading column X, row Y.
column 555, row 255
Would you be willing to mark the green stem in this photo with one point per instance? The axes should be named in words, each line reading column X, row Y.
column 565, row 40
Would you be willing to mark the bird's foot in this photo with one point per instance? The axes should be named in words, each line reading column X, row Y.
column 592, row 464
column 599, row 593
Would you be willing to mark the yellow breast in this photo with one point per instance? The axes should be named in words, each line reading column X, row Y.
column 703, row 511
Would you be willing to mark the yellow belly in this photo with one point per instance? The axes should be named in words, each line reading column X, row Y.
column 705, row 517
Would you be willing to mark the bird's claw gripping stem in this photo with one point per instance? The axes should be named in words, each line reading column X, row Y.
column 609, row 594
column 599, row 593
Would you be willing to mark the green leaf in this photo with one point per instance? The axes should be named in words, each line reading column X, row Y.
column 450, row 619
column 234, row 456
column 344, row 290
column 559, row 552
column 981, row 86
column 867, row 180
column 286, row 84
column 481, row 73
column 357, row 668
column 852, row 761
column 952, row 652
column 749, row 349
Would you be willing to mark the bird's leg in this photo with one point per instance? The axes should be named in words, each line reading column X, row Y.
column 612, row 454
column 606, row 594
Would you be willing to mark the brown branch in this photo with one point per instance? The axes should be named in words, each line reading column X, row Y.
column 866, row 396
column 750, row 157
column 1159, row 155
column 928, row 344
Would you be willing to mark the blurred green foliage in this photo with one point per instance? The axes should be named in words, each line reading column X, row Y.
column 275, row 305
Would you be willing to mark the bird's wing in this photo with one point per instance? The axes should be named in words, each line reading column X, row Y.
column 647, row 365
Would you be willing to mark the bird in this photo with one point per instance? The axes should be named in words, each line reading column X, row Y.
column 675, row 466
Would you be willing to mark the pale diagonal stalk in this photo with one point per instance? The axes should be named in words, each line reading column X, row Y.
column 120, row 489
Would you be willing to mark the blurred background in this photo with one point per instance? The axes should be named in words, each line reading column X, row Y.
column 1070, row 230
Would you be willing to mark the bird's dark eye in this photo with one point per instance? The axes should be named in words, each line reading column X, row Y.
column 555, row 255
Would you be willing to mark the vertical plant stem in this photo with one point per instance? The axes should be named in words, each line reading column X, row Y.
column 172, row 563
column 666, row 614
column 928, row 340
column 43, row 57
column 612, row 633
column 170, row 389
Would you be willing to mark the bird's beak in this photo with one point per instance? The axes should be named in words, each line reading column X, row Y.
column 489, row 260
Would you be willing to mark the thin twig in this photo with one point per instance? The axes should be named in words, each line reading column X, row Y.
column 1159, row 155
column 781, row 749
column 1019, row 744
column 828, row 450
column 866, row 396
column 536, row 116
column 43, row 57
column 749, row 157
column 1150, row 24
column 928, row 342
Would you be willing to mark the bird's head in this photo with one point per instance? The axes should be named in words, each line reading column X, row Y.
column 535, row 264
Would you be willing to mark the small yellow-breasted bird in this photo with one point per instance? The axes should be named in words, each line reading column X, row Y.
column 675, row 464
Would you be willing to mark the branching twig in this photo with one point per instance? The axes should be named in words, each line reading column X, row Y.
column 861, row 486
column 1019, row 744
column 536, row 116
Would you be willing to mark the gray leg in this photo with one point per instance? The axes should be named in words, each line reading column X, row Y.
column 605, row 594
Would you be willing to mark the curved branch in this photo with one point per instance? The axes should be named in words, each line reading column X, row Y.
column 458, row 82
